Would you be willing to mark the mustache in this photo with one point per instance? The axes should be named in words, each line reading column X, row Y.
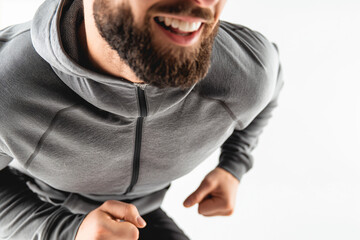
column 183, row 8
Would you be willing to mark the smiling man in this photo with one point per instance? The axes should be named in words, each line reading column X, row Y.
column 105, row 102
column 163, row 43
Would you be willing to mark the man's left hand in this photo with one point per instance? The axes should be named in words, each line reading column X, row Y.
column 216, row 194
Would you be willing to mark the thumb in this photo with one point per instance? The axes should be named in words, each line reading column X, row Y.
column 196, row 197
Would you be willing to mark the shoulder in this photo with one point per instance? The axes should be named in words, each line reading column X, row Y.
column 26, row 79
column 19, row 63
column 21, row 66
column 246, row 44
column 18, row 55
column 11, row 32
column 241, row 58
column 244, row 69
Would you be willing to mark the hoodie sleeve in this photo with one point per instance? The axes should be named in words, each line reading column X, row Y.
column 24, row 216
column 236, row 156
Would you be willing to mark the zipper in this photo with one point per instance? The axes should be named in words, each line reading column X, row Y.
column 138, row 135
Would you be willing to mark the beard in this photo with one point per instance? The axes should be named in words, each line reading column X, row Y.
column 154, row 63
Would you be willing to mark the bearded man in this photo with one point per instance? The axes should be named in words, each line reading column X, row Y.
column 105, row 102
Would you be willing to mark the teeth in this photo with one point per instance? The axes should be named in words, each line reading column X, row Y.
column 181, row 25
column 168, row 22
column 184, row 26
column 175, row 23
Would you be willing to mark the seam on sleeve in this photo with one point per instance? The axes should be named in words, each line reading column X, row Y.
column 47, row 132
column 14, row 36
column 227, row 109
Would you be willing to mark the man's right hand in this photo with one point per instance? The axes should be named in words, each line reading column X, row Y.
column 105, row 222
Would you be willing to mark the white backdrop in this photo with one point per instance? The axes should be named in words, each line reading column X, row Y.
column 305, row 181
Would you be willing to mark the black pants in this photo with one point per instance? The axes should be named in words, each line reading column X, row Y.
column 160, row 227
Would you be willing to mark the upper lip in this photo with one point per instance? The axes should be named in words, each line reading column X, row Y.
column 182, row 17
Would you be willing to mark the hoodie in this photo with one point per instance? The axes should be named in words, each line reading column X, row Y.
column 72, row 138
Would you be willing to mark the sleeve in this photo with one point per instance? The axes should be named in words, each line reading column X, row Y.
column 236, row 156
column 24, row 216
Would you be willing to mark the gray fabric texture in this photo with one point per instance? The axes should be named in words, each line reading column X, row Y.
column 71, row 131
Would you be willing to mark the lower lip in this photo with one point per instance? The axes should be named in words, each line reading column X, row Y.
column 184, row 41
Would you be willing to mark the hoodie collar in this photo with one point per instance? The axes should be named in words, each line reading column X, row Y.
column 60, row 49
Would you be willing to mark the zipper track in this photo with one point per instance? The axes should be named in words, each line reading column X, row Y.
column 138, row 137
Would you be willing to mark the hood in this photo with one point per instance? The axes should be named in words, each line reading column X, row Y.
column 108, row 93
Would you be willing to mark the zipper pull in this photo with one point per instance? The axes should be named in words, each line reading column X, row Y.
column 141, row 85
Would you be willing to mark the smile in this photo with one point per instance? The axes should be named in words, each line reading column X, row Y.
column 177, row 26
column 182, row 32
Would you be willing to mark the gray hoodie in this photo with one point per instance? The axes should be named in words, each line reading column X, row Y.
column 78, row 138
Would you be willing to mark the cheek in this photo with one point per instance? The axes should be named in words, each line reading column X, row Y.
column 219, row 8
column 139, row 9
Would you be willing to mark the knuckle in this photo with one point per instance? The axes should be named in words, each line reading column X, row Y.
column 130, row 209
column 229, row 209
column 133, row 233
column 229, row 212
column 207, row 183
column 201, row 210
column 108, row 203
column 228, row 206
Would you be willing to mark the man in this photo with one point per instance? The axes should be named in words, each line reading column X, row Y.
column 103, row 103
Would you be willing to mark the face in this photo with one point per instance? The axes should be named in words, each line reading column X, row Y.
column 167, row 43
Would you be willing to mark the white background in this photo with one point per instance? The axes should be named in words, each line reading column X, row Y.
column 305, row 181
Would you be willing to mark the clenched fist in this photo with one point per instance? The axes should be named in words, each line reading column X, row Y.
column 112, row 220
column 216, row 194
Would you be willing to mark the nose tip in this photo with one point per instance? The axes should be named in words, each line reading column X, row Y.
column 206, row 3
